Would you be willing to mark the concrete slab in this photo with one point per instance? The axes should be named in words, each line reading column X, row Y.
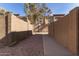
column 52, row 48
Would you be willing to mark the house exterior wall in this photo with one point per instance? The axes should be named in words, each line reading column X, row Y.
column 44, row 26
column 45, row 29
column 41, row 25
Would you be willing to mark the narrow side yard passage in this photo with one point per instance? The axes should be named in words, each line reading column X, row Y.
column 52, row 48
column 36, row 45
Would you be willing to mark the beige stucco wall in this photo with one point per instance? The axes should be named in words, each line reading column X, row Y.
column 2, row 27
column 9, row 22
column 13, row 27
column 18, row 24
column 30, row 26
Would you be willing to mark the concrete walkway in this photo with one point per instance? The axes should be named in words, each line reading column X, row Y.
column 52, row 48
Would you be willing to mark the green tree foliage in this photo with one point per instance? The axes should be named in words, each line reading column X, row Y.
column 34, row 11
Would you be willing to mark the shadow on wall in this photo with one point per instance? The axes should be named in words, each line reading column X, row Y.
column 14, row 37
column 65, row 31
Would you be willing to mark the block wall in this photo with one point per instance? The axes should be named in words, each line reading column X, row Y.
column 65, row 31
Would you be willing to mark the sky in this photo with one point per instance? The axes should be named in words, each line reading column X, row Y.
column 56, row 8
column 61, row 8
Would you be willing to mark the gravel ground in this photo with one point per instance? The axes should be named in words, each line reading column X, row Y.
column 33, row 46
